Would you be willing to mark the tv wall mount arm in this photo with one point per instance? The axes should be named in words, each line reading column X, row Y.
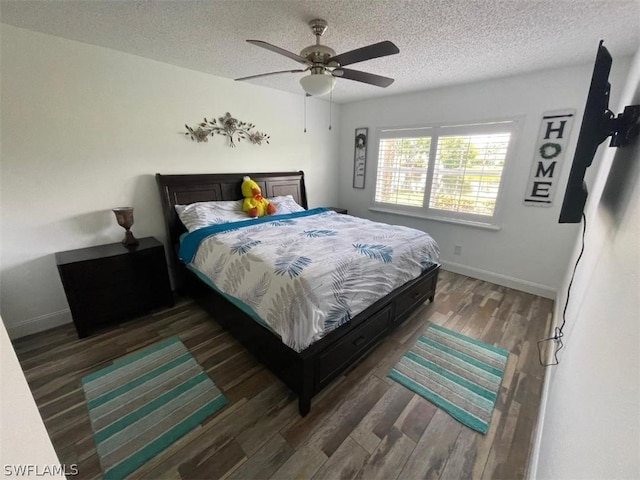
column 624, row 128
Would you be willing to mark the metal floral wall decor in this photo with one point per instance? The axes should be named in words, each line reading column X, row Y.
column 230, row 127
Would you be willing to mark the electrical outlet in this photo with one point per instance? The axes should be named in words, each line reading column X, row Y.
column 457, row 249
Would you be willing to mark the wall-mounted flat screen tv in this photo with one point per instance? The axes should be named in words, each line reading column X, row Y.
column 592, row 133
column 598, row 123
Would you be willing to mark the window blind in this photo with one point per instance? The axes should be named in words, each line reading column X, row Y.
column 447, row 171
column 467, row 173
column 402, row 170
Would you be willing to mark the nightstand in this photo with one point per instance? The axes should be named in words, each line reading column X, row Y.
column 338, row 210
column 111, row 283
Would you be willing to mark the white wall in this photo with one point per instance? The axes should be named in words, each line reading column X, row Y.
column 590, row 419
column 84, row 129
column 21, row 419
column 531, row 250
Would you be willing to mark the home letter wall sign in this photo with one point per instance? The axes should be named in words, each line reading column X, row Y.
column 547, row 158
column 360, row 157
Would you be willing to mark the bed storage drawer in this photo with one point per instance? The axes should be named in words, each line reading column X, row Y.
column 356, row 342
column 414, row 295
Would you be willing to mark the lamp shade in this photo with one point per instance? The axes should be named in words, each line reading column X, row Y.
column 318, row 84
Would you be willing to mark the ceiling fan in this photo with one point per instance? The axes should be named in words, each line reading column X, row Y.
column 324, row 65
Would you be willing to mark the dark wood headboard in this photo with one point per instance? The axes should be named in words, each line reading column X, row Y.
column 190, row 188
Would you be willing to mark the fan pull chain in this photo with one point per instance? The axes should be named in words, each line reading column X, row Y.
column 330, row 103
column 305, row 113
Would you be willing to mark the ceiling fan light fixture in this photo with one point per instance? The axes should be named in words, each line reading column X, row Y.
column 318, row 84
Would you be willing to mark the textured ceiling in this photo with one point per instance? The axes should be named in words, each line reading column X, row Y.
column 440, row 42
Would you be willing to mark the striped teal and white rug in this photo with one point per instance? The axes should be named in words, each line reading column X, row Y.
column 146, row 401
column 458, row 374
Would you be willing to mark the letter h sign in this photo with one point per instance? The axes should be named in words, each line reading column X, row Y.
column 553, row 138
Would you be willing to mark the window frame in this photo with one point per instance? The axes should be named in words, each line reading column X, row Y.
column 436, row 131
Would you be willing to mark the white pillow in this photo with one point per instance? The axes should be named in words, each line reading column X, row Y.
column 285, row 204
column 202, row 214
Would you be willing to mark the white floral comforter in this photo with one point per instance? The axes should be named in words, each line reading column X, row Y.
column 306, row 273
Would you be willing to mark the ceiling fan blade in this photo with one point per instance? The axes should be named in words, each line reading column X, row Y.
column 376, row 50
column 300, row 70
column 279, row 50
column 364, row 77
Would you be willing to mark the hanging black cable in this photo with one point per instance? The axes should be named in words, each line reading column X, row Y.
column 558, row 331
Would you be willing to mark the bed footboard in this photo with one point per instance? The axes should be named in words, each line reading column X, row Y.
column 309, row 371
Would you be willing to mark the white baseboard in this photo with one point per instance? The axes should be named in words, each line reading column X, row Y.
column 504, row 280
column 534, row 456
column 39, row 324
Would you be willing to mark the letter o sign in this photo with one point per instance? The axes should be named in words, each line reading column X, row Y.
column 550, row 150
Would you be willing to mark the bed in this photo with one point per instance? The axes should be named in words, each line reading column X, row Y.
column 305, row 366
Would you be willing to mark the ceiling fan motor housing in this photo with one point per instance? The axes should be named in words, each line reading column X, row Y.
column 317, row 53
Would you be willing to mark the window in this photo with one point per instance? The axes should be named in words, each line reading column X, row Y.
column 447, row 172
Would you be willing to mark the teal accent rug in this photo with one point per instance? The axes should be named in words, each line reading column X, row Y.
column 458, row 374
column 146, row 401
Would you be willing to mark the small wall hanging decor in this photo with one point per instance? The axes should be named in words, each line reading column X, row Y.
column 547, row 157
column 228, row 126
column 360, row 157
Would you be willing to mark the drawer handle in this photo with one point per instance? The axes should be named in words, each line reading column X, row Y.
column 415, row 295
column 358, row 341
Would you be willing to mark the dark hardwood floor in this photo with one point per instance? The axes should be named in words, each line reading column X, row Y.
column 364, row 425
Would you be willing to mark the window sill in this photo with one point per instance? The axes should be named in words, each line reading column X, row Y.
column 457, row 221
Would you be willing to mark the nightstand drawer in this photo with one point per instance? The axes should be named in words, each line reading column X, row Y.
column 107, row 307
column 103, row 273
column 117, row 272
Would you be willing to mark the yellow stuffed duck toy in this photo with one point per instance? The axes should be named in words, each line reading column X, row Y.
column 254, row 203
